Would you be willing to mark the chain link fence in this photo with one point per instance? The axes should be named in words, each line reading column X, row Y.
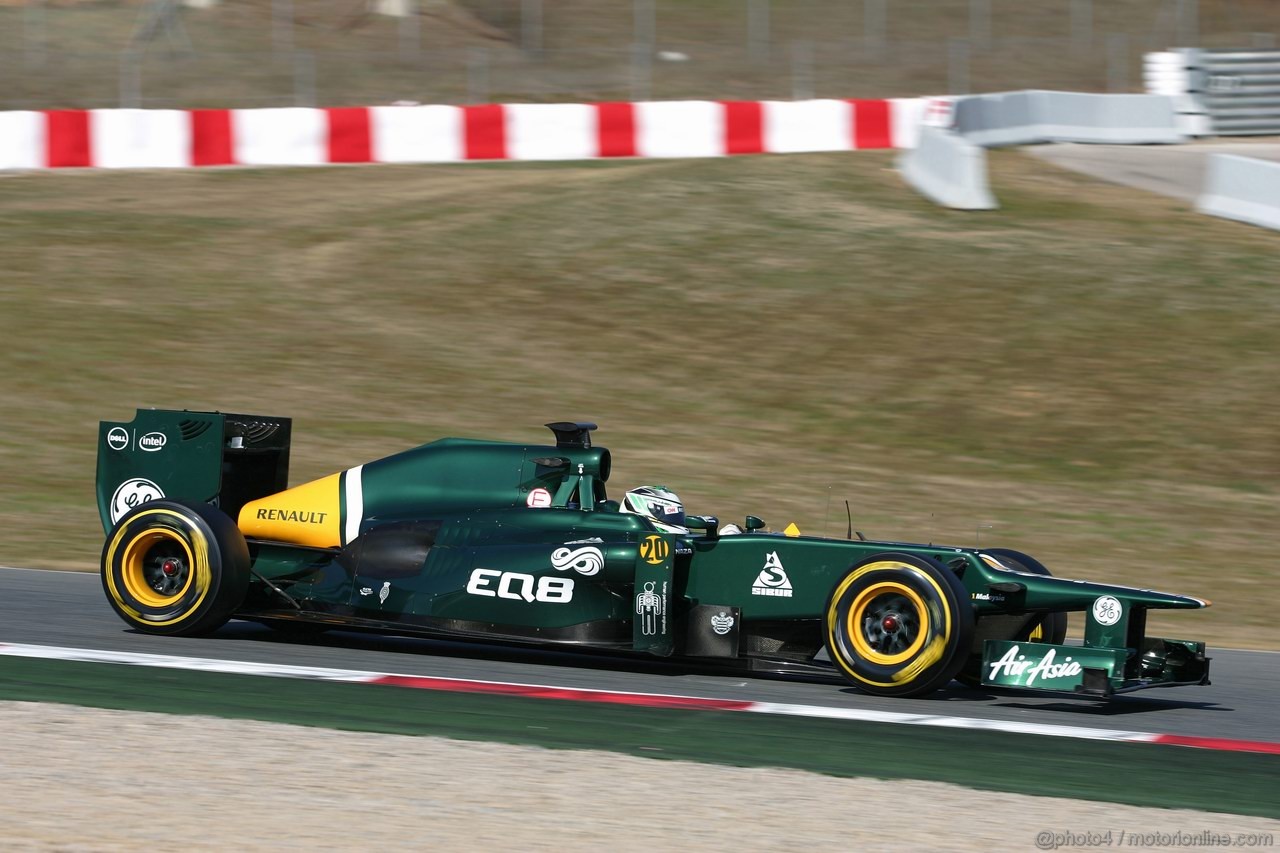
column 162, row 53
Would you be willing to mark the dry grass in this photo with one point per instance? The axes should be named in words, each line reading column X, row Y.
column 1088, row 374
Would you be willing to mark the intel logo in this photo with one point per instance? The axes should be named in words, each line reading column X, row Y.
column 117, row 438
column 152, row 441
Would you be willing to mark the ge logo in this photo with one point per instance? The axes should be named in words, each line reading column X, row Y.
column 654, row 549
column 1107, row 610
column 132, row 493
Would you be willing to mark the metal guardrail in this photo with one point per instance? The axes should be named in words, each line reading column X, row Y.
column 1237, row 89
column 1240, row 90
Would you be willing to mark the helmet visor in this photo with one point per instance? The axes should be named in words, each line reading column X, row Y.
column 666, row 511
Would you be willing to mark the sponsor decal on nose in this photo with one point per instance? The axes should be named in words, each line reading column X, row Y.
column 1107, row 610
column 1046, row 668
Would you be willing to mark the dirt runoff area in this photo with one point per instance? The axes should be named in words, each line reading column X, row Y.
column 89, row 779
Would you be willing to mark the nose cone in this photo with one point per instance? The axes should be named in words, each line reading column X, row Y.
column 1151, row 598
column 1060, row 593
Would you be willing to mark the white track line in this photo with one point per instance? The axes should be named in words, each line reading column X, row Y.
column 553, row 692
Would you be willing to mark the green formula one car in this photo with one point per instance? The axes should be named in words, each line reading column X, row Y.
column 520, row 543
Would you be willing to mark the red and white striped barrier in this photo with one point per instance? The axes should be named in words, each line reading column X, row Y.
column 296, row 136
column 615, row 697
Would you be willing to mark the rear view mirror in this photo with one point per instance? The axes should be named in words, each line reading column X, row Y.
column 754, row 523
column 707, row 523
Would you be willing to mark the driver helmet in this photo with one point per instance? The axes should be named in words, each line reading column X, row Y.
column 659, row 504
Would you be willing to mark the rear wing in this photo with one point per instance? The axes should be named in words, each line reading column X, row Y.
column 223, row 459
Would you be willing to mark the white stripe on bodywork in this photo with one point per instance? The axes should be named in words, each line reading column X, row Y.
column 355, row 503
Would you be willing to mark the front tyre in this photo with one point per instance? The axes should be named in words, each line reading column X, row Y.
column 1048, row 628
column 898, row 625
column 176, row 568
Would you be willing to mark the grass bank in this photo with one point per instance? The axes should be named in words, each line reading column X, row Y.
column 1088, row 374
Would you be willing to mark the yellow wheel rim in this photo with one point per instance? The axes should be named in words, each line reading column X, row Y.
column 133, row 567
column 1037, row 633
column 860, row 610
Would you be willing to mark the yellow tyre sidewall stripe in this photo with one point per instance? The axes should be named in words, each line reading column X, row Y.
column 934, row 649
column 865, row 597
column 197, row 548
column 131, row 566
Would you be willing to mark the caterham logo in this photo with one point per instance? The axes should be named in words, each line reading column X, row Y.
column 772, row 579
column 654, row 549
column 1017, row 666
column 585, row 561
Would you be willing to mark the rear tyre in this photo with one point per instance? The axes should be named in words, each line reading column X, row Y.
column 898, row 625
column 1048, row 628
column 177, row 568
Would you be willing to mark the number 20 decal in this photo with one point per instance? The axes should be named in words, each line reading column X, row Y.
column 549, row 589
column 654, row 549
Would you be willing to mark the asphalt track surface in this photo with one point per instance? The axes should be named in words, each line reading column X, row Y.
column 68, row 609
